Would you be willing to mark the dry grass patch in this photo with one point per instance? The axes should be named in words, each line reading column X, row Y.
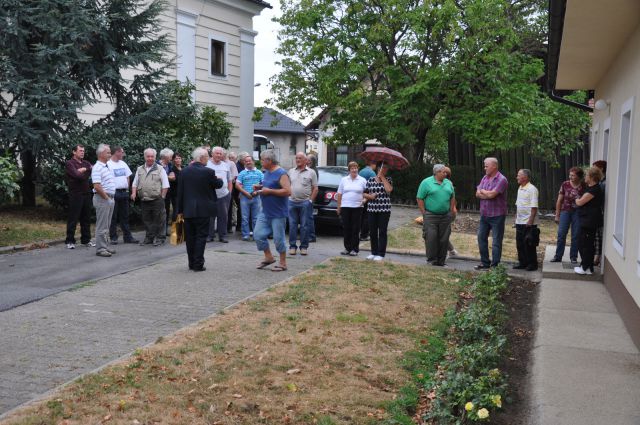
column 464, row 237
column 23, row 225
column 324, row 348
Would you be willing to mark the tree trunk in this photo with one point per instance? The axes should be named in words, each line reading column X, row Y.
column 28, row 186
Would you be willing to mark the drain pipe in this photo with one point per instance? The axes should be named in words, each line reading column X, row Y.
column 578, row 105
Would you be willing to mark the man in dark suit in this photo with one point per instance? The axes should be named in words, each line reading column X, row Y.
column 197, row 203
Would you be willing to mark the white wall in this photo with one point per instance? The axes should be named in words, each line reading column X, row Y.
column 621, row 87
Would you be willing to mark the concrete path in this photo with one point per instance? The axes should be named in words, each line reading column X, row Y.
column 585, row 368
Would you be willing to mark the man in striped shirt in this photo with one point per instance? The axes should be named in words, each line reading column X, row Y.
column 249, row 204
column 104, row 189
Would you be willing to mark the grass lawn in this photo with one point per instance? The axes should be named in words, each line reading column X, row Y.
column 464, row 239
column 325, row 347
column 22, row 225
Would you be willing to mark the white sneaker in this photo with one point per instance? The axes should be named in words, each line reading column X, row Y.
column 378, row 258
column 71, row 246
column 580, row 270
column 89, row 244
column 371, row 257
column 453, row 252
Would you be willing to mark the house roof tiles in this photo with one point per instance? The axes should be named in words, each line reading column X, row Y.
column 274, row 121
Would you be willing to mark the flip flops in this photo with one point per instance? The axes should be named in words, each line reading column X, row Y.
column 264, row 264
column 278, row 268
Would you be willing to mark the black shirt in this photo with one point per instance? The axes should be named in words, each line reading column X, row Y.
column 591, row 213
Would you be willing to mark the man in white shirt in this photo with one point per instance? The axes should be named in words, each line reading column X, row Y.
column 526, row 222
column 104, row 188
column 121, row 172
column 152, row 183
column 223, row 172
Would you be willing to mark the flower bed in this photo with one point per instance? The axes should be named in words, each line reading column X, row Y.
column 466, row 386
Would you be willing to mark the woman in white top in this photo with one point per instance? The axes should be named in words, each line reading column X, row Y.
column 350, row 199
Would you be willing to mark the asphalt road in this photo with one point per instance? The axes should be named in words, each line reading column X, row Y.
column 32, row 275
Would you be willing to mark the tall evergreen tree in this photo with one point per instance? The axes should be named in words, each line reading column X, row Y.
column 57, row 56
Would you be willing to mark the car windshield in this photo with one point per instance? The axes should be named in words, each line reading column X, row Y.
column 331, row 176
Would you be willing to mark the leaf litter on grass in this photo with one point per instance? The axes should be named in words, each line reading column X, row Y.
column 325, row 347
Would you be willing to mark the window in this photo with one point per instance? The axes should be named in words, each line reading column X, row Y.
column 186, row 47
column 342, row 155
column 622, row 177
column 218, row 59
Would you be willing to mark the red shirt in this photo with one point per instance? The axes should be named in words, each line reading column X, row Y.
column 570, row 194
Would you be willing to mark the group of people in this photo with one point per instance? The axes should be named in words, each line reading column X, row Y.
column 206, row 191
column 579, row 207
column 261, row 198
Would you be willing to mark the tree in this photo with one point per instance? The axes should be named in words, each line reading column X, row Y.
column 407, row 72
column 169, row 118
column 57, row 56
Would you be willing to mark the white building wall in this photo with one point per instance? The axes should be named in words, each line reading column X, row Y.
column 621, row 87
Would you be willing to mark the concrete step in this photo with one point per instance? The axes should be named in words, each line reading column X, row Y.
column 564, row 270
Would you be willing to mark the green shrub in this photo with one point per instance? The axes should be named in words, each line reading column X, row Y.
column 10, row 175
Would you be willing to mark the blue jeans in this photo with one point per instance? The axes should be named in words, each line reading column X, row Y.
column 250, row 208
column 496, row 226
column 568, row 219
column 311, row 224
column 264, row 228
column 299, row 215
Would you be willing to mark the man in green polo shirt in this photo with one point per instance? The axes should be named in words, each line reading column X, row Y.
column 437, row 202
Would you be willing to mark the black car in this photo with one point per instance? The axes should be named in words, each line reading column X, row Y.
column 325, row 205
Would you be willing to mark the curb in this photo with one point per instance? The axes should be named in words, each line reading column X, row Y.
column 29, row 247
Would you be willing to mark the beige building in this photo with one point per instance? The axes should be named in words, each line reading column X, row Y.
column 595, row 45
column 213, row 43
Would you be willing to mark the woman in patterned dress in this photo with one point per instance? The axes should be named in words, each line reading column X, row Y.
column 378, row 211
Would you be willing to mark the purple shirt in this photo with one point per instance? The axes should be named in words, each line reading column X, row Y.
column 497, row 206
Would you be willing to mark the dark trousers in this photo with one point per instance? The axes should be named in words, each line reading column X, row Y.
column 364, row 224
column 79, row 210
column 496, row 226
column 378, row 222
column 351, row 219
column 219, row 222
column 587, row 247
column 167, row 208
column 174, row 207
column 121, row 216
column 196, row 230
column 527, row 255
column 154, row 219
column 235, row 200
column 436, row 230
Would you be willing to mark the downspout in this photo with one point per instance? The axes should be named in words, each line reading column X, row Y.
column 557, row 9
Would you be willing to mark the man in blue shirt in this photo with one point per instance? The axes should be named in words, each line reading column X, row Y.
column 249, row 204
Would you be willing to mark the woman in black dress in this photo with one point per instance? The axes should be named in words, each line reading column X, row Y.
column 590, row 213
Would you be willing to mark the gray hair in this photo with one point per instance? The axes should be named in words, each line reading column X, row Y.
column 198, row 153
column 152, row 150
column 492, row 159
column 437, row 168
column 232, row 154
column 270, row 155
column 101, row 148
column 526, row 172
column 243, row 155
column 217, row 148
column 166, row 153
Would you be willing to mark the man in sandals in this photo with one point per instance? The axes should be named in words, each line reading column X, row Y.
column 274, row 194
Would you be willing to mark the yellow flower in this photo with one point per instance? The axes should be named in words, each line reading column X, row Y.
column 483, row 413
column 494, row 373
column 496, row 400
column 468, row 407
